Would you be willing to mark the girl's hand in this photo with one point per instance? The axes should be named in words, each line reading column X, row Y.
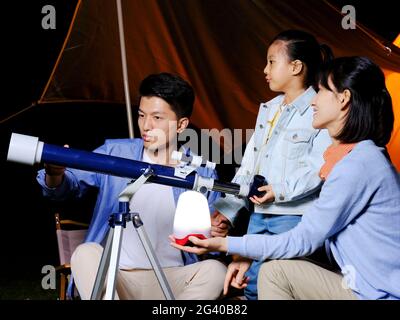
column 269, row 195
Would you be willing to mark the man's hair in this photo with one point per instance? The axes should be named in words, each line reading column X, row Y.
column 371, row 112
column 177, row 92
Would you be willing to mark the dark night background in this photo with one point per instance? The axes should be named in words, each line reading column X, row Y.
column 27, row 234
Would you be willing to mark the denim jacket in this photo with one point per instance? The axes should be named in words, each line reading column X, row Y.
column 290, row 161
column 76, row 182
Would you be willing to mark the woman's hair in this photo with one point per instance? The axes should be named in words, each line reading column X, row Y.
column 370, row 113
column 301, row 45
column 177, row 92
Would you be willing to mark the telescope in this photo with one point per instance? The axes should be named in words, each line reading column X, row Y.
column 29, row 150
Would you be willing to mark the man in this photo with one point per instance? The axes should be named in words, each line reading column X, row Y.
column 166, row 103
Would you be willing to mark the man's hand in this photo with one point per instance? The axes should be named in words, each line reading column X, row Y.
column 235, row 274
column 219, row 225
column 53, row 170
column 54, row 174
column 202, row 246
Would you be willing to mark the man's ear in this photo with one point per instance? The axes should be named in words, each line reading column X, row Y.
column 182, row 124
column 297, row 67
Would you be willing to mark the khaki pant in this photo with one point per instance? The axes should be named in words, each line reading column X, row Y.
column 300, row 279
column 199, row 281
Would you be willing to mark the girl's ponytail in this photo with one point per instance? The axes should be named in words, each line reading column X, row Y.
column 326, row 53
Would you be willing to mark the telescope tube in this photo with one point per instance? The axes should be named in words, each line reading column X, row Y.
column 29, row 150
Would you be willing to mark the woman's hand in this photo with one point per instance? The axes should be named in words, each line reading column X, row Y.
column 235, row 274
column 202, row 246
column 269, row 195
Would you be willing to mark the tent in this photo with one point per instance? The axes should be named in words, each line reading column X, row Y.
column 219, row 46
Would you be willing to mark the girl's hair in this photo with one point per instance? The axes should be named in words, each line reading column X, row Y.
column 370, row 114
column 301, row 45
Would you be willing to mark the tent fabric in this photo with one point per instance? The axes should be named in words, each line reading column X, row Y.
column 393, row 84
column 219, row 46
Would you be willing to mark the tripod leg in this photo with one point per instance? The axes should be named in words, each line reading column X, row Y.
column 152, row 257
column 103, row 268
column 114, row 263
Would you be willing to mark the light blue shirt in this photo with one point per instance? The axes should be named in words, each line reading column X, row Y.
column 76, row 183
column 358, row 211
column 290, row 161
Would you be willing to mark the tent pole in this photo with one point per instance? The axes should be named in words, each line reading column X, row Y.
column 124, row 69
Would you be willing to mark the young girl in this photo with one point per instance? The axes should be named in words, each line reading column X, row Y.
column 285, row 148
column 358, row 210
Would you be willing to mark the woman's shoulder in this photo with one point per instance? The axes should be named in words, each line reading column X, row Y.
column 365, row 159
column 365, row 168
column 367, row 150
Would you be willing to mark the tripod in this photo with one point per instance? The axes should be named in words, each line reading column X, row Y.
column 110, row 257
